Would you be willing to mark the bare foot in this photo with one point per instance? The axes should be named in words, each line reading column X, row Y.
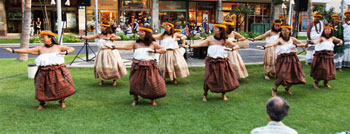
column 134, row 103
column 63, row 105
column 205, row 98
column 154, row 103
column 40, row 107
column 267, row 77
column 224, row 98
column 114, row 83
column 316, row 86
column 101, row 83
column 288, row 92
column 274, row 92
column 327, row 86
column 175, row 82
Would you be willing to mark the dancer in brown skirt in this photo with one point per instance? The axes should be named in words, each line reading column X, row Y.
column 108, row 64
column 172, row 64
column 288, row 67
column 270, row 55
column 323, row 67
column 219, row 77
column 145, row 79
column 52, row 80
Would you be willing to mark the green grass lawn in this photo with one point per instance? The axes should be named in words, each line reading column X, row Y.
column 107, row 109
column 5, row 41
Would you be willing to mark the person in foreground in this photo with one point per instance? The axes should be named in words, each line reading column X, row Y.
column 277, row 108
column 52, row 80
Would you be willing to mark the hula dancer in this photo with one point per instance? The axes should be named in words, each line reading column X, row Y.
column 338, row 32
column 52, row 80
column 108, row 64
column 172, row 63
column 314, row 31
column 323, row 63
column 234, row 57
column 288, row 67
column 270, row 55
column 145, row 78
column 219, row 77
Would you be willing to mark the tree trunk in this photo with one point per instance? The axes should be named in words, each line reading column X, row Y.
column 272, row 13
column 26, row 19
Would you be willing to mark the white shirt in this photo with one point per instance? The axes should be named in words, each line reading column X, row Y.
column 313, row 33
column 272, row 38
column 274, row 127
column 217, row 51
column 143, row 54
column 346, row 32
column 285, row 48
column 102, row 44
column 325, row 45
column 49, row 59
column 169, row 43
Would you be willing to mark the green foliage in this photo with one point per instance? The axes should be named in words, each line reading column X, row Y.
column 249, row 34
column 67, row 38
column 6, row 41
column 124, row 37
column 35, row 39
column 205, row 35
column 241, row 11
column 277, row 2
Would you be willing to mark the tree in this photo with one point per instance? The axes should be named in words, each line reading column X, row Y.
column 326, row 15
column 241, row 11
column 26, row 20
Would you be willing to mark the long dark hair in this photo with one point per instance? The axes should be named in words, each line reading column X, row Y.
column 170, row 34
column 148, row 38
column 273, row 26
column 108, row 29
column 229, row 29
column 223, row 34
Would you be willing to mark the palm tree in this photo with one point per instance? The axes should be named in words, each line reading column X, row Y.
column 26, row 19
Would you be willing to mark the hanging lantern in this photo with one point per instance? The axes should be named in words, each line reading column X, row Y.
column 53, row 2
column 67, row 3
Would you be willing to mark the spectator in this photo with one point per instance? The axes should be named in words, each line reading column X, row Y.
column 128, row 30
column 118, row 29
column 277, row 108
column 38, row 26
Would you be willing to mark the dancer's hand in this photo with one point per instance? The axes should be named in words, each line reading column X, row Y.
column 8, row 49
column 310, row 42
column 306, row 46
column 339, row 44
column 251, row 39
column 229, row 49
column 261, row 47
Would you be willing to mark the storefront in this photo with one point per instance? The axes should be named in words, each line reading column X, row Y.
column 135, row 10
column 107, row 9
column 261, row 14
column 200, row 11
column 174, row 12
column 14, row 15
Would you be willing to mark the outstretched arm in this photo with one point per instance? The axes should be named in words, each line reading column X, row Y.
column 202, row 44
column 34, row 51
column 182, row 37
column 66, row 50
column 124, row 47
column 301, row 44
column 115, row 37
column 233, row 45
column 340, row 42
column 239, row 37
column 89, row 37
column 260, row 37
column 157, row 36
column 277, row 42
column 158, row 48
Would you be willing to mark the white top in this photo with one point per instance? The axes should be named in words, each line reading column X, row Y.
column 49, row 59
column 274, row 127
column 217, row 51
column 232, row 39
column 102, row 44
column 313, row 34
column 169, row 43
column 272, row 38
column 285, row 48
column 325, row 45
column 143, row 54
column 346, row 32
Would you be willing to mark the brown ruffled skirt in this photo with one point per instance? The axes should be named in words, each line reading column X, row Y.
column 219, row 76
column 146, row 80
column 289, row 70
column 53, row 83
column 173, row 65
column 323, row 67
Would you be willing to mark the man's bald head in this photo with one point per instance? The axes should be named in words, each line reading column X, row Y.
column 277, row 108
